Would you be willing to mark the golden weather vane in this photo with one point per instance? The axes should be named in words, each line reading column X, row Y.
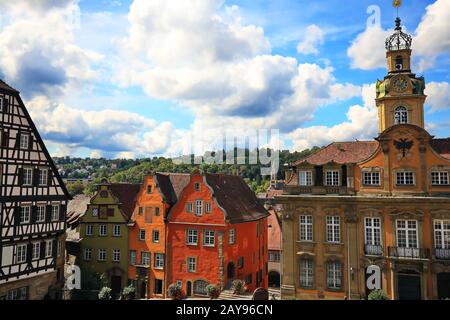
column 397, row 4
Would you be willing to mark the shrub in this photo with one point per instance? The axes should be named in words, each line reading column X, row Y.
column 105, row 294
column 129, row 292
column 175, row 292
column 237, row 286
column 378, row 294
column 213, row 291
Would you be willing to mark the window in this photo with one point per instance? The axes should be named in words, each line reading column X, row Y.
column 200, row 287
column 18, row 294
column 116, row 231
column 192, row 237
column 306, row 273
column 133, row 257
column 333, row 229
column 103, row 194
column 407, row 234
column 179, row 284
column 208, row 207
column 306, row 228
column 157, row 211
column 27, row 176
column 198, row 207
column 101, row 254
column 89, row 230
column 24, row 142
column 158, row 286
column 332, row 178
column 197, row 186
column 191, row 264
column 400, row 115
column 116, row 255
column 95, row 212
column 240, row 262
column 36, row 251
column 103, row 230
column 21, row 255
column 1, row 104
column 25, row 213
column 43, row 177
column 55, row 212
column 209, row 237
column 248, row 278
column 189, row 207
column 87, row 254
column 405, row 178
column 142, row 235
column 149, row 189
column 59, row 248
column 159, row 261
column 442, row 234
column 232, row 236
column 439, row 178
column 148, row 215
column 399, row 63
column 145, row 258
column 140, row 210
column 305, row 178
column 274, row 256
column 371, row 178
column 48, row 248
column 334, row 280
column 40, row 214
column 155, row 236
column 372, row 231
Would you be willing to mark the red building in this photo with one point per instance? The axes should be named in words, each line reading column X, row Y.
column 217, row 232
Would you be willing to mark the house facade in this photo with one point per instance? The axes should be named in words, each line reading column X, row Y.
column 33, row 202
column 353, row 208
column 275, row 250
column 104, row 233
column 217, row 232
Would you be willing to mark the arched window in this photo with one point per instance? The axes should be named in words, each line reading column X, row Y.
column 401, row 115
column 200, row 287
column 399, row 63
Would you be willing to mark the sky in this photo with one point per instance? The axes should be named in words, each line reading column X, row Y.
column 138, row 78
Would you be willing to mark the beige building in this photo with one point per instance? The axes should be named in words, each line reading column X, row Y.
column 354, row 208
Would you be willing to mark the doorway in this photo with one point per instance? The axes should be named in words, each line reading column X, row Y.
column 274, row 279
column 409, row 287
column 443, row 284
column 143, row 290
column 230, row 270
column 188, row 288
column 116, row 286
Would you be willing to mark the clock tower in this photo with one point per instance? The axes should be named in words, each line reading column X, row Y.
column 400, row 95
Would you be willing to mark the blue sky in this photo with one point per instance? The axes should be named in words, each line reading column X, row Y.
column 120, row 78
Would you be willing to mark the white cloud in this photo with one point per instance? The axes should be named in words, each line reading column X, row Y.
column 438, row 96
column 313, row 39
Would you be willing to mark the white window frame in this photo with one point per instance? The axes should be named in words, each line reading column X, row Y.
column 411, row 234
column 189, row 207
column 441, row 233
column 43, row 177
column 209, row 238
column 48, row 248
column 40, row 213
column 55, row 212
column 145, row 258
column 306, row 273
column 155, row 239
column 95, row 212
column 59, row 248
column 21, row 253
column 305, row 178
column 101, row 255
column 401, row 115
column 103, row 230
column 372, row 231
column 133, row 255
column 35, row 250
column 401, row 178
column 159, row 261
column 208, row 207
column 27, row 177
column 89, row 230
column 25, row 214
column 87, row 255
column 371, row 178
column 332, row 178
column 232, row 236
column 439, row 178
column 198, row 207
column 333, row 224
column 191, row 264
column 306, row 228
column 116, row 255
column 1, row 104
column 334, row 275
column 24, row 142
column 117, row 230
column 142, row 234
column 191, row 235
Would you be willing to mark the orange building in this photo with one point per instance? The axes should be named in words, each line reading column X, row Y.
column 147, row 240
column 217, row 232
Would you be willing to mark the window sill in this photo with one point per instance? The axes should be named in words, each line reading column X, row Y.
column 192, row 244
column 306, row 241
column 334, row 243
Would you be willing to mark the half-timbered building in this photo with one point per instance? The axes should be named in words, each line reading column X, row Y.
column 33, row 201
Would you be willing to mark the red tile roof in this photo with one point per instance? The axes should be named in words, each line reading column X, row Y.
column 441, row 146
column 77, row 208
column 171, row 184
column 126, row 194
column 273, row 192
column 342, row 152
column 236, row 198
column 274, row 230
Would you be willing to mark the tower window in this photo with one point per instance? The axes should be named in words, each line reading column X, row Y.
column 399, row 63
column 401, row 115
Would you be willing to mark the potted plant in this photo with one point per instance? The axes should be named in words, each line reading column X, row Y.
column 174, row 292
column 213, row 291
column 105, row 293
column 378, row 294
column 237, row 286
column 129, row 292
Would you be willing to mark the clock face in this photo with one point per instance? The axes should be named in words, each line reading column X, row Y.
column 400, row 84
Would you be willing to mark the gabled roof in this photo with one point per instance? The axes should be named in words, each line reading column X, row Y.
column 441, row 146
column 341, row 153
column 235, row 197
column 126, row 194
column 76, row 208
column 5, row 86
column 172, row 184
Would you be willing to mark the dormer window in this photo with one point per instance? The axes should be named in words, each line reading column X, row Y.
column 401, row 115
column 305, row 178
column 332, row 178
column 149, row 189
